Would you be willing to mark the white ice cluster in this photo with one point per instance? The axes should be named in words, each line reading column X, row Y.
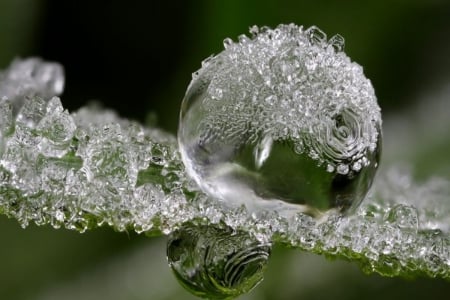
column 83, row 169
column 291, row 83
column 91, row 168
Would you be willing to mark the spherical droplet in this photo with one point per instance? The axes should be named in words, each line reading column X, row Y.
column 282, row 121
column 216, row 263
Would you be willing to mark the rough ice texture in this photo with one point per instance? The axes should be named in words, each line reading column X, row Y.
column 91, row 168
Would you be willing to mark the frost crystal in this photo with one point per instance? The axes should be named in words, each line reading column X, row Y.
column 31, row 77
column 91, row 168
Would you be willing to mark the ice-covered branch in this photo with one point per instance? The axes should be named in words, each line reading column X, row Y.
column 91, row 168
column 84, row 169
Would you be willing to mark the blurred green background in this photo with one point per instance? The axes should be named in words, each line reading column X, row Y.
column 137, row 57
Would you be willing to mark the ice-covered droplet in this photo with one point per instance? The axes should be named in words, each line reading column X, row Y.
column 216, row 263
column 293, row 123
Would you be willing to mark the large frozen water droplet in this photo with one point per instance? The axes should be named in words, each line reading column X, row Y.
column 216, row 263
column 282, row 121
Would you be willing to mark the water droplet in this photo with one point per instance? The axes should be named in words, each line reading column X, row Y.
column 216, row 263
column 342, row 169
column 302, row 132
column 330, row 168
column 357, row 166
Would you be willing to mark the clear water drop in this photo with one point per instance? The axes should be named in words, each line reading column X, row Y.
column 216, row 263
column 282, row 135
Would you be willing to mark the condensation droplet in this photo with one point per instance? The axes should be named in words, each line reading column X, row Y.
column 342, row 169
column 357, row 166
column 216, row 263
column 330, row 168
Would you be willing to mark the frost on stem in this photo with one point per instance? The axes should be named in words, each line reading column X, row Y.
column 91, row 168
column 84, row 169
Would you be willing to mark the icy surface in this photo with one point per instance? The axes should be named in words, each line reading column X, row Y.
column 91, row 168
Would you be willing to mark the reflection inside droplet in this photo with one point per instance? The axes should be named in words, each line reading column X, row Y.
column 216, row 262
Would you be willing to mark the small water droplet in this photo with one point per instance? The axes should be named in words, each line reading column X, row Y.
column 216, row 263
column 357, row 166
column 342, row 169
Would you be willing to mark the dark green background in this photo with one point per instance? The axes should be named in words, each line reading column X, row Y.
column 137, row 57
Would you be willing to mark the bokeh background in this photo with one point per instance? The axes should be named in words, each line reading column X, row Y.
column 137, row 58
